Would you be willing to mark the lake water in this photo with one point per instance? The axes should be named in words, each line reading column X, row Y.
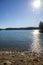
column 22, row 39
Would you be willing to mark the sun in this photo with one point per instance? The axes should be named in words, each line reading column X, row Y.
column 36, row 4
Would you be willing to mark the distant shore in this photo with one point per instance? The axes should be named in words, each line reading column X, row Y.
column 25, row 28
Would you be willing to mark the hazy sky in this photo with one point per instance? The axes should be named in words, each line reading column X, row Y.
column 20, row 13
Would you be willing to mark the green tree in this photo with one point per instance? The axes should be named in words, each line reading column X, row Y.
column 41, row 26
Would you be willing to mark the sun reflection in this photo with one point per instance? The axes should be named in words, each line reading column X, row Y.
column 35, row 32
column 36, row 42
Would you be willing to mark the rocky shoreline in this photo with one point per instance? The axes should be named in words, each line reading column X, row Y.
column 13, row 57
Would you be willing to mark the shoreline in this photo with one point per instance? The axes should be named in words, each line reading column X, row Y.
column 13, row 51
column 14, row 57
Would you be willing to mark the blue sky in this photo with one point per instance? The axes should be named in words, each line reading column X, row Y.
column 19, row 13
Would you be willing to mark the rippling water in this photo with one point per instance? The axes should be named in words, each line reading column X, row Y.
column 36, row 44
column 22, row 39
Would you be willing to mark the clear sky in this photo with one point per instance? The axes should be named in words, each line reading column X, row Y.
column 20, row 13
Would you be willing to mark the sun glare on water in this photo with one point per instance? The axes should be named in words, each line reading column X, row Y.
column 36, row 47
column 36, row 32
